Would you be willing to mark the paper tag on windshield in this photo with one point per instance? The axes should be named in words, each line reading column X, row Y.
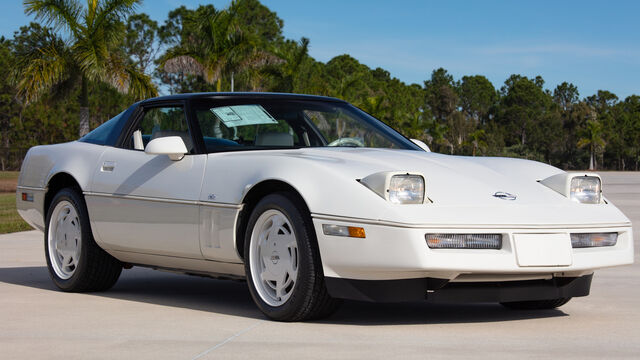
column 242, row 115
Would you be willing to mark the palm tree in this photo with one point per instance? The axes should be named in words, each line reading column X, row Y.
column 412, row 124
column 88, row 55
column 592, row 138
column 217, row 46
column 476, row 140
column 435, row 134
column 293, row 57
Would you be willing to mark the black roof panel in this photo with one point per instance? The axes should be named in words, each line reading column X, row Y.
column 241, row 95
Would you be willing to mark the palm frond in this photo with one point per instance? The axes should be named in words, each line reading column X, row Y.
column 91, row 55
column 301, row 54
column 116, row 74
column 213, row 70
column 140, row 84
column 41, row 69
column 260, row 59
column 61, row 14
column 127, row 79
column 90, row 14
column 108, row 10
column 583, row 142
column 184, row 64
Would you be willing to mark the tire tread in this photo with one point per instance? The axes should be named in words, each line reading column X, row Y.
column 317, row 302
column 99, row 271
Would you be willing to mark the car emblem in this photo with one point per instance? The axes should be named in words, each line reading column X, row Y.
column 275, row 258
column 504, row 195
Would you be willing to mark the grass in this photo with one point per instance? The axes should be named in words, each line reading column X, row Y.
column 10, row 221
column 9, row 174
column 8, row 181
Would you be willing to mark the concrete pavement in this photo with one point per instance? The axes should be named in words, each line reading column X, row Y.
column 157, row 315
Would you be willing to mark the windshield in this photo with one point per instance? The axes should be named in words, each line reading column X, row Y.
column 266, row 124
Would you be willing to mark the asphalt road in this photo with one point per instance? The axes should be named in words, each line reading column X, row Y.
column 158, row 315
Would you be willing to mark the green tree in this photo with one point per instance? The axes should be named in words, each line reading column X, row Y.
column 609, row 116
column 260, row 22
column 631, row 106
column 348, row 79
column 8, row 106
column 477, row 141
column 441, row 96
column 435, row 136
column 622, row 134
column 140, row 39
column 89, row 55
column 592, row 138
column 478, row 98
column 295, row 56
column 602, row 101
column 219, row 46
column 523, row 105
column 566, row 95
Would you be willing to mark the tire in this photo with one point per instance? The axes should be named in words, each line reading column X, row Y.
column 75, row 262
column 536, row 304
column 282, row 261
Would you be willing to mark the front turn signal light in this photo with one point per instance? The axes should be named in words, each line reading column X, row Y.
column 346, row 231
column 582, row 240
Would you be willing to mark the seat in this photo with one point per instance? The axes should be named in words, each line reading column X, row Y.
column 138, row 143
column 274, row 139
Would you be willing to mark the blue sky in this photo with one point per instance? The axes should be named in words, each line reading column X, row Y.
column 593, row 44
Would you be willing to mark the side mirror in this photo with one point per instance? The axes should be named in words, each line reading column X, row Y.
column 172, row 146
column 422, row 145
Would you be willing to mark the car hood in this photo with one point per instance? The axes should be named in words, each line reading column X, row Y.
column 460, row 189
column 450, row 180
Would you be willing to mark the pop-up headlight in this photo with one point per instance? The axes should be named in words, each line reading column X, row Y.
column 585, row 188
column 397, row 187
column 406, row 189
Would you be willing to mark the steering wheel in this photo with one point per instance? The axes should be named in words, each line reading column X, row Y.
column 347, row 142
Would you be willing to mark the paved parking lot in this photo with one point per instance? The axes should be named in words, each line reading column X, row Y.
column 158, row 315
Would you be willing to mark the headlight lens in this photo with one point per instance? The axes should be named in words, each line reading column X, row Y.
column 593, row 239
column 464, row 241
column 406, row 189
column 586, row 189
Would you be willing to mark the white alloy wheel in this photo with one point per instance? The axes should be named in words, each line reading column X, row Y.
column 64, row 239
column 273, row 257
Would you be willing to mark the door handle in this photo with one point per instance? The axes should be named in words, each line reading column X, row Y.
column 108, row 166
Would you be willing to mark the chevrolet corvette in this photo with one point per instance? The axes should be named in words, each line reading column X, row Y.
column 311, row 201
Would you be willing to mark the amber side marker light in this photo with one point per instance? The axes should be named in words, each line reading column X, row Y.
column 346, row 231
column 27, row 197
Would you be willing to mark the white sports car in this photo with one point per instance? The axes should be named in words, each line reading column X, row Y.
column 312, row 201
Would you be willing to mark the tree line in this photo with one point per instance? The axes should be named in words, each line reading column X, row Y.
column 80, row 65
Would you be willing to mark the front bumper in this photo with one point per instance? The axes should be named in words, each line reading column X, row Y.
column 393, row 252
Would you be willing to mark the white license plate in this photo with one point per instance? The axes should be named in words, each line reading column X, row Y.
column 543, row 249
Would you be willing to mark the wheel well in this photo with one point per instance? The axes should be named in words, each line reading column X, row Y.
column 250, row 201
column 58, row 182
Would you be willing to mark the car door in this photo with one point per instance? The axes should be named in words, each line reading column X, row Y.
column 149, row 203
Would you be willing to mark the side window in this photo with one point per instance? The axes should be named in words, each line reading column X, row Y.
column 107, row 133
column 248, row 126
column 161, row 122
